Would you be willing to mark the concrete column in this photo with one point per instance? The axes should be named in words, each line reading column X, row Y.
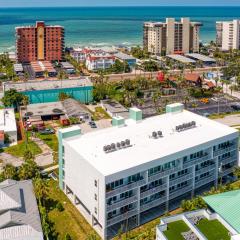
column 167, row 194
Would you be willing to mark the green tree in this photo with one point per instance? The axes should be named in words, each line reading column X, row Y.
column 12, row 98
column 28, row 155
column 28, row 170
column 10, row 172
column 63, row 96
column 41, row 190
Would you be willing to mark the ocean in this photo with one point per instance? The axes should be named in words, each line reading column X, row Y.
column 105, row 26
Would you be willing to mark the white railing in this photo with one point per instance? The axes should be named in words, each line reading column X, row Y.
column 122, row 203
column 205, row 181
column 180, row 192
column 153, row 203
column 219, row 152
column 163, row 174
column 181, row 179
column 229, row 160
column 153, row 190
column 197, row 160
column 205, row 169
column 122, row 217
column 125, row 188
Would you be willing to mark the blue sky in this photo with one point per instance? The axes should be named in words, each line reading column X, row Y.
column 50, row 3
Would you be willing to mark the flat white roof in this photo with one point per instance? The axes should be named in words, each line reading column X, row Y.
column 181, row 58
column 7, row 120
column 200, row 57
column 145, row 149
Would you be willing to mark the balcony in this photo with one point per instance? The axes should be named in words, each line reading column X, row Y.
column 195, row 161
column 163, row 174
column 153, row 190
column 121, row 203
column 205, row 181
column 125, row 188
column 122, row 217
column 205, row 169
column 181, row 179
column 154, row 203
column 180, row 192
column 227, row 171
column 229, row 160
column 219, row 152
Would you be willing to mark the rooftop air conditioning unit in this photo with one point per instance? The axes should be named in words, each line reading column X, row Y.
column 154, row 134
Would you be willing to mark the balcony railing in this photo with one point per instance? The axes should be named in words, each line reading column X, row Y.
column 229, row 160
column 205, row 181
column 153, row 190
column 219, row 152
column 122, row 203
column 197, row 160
column 153, row 203
column 163, row 174
column 125, row 188
column 122, row 217
column 180, row 191
column 227, row 171
column 205, row 169
column 181, row 179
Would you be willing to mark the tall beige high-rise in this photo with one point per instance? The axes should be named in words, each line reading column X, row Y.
column 228, row 35
column 171, row 37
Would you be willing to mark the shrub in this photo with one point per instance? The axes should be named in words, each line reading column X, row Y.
column 59, row 207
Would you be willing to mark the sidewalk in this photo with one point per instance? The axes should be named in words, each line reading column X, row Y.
column 46, row 157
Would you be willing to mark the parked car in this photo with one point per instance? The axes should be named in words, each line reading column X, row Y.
column 47, row 131
column 92, row 124
column 235, row 106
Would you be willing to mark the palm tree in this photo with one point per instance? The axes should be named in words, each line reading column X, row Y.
column 61, row 75
column 25, row 79
column 41, row 190
column 25, row 101
column 45, row 74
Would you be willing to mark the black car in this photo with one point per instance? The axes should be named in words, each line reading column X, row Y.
column 92, row 124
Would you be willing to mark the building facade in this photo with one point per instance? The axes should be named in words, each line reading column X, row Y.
column 228, row 35
column 171, row 37
column 98, row 61
column 124, row 176
column 39, row 43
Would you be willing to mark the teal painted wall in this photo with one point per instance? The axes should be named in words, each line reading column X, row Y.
column 82, row 94
column 61, row 136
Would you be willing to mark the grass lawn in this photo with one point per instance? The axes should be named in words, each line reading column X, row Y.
column 100, row 114
column 50, row 139
column 213, row 230
column 19, row 149
column 175, row 229
column 69, row 220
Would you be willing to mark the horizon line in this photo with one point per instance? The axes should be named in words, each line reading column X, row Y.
column 99, row 6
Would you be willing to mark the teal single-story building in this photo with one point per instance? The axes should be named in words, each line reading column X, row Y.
column 48, row 90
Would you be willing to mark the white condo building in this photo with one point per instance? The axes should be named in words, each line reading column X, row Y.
column 138, row 169
column 171, row 37
column 228, row 35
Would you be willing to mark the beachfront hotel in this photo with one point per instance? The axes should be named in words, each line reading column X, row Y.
column 171, row 37
column 128, row 174
column 39, row 43
column 228, row 35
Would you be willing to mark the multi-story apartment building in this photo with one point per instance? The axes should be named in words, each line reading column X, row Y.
column 99, row 60
column 228, row 35
column 171, row 37
column 123, row 176
column 39, row 43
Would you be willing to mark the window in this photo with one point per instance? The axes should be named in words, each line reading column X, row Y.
column 95, row 183
column 95, row 210
column 95, row 196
